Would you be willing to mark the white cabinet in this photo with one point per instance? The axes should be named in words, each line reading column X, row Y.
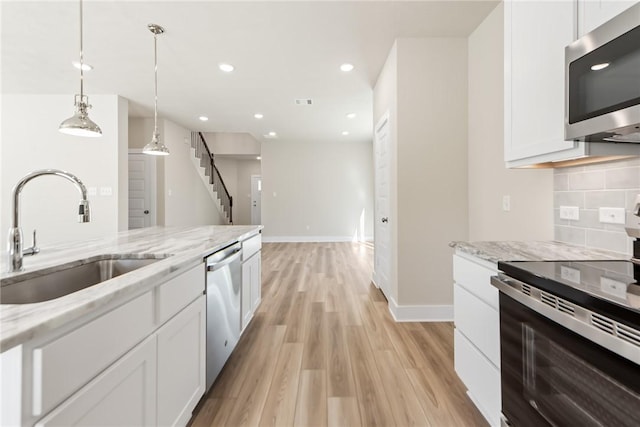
column 251, row 278
column 113, row 366
column 123, row 395
column 181, row 364
column 534, row 81
column 477, row 333
column 593, row 13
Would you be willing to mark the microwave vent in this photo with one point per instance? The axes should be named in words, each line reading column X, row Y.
column 548, row 299
column 526, row 289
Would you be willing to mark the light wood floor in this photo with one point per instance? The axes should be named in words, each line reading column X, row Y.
column 323, row 350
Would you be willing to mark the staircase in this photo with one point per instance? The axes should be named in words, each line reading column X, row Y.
column 205, row 158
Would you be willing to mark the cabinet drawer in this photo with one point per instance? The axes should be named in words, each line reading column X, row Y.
column 62, row 366
column 481, row 378
column 179, row 292
column 251, row 246
column 479, row 322
column 475, row 278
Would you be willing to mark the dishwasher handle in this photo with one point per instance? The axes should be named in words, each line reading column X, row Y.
column 225, row 261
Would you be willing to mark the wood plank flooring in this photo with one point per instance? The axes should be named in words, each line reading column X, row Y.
column 323, row 350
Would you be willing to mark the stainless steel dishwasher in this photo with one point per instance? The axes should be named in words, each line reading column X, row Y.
column 224, row 281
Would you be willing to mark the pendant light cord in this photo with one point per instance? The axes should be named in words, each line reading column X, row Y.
column 155, row 70
column 81, row 58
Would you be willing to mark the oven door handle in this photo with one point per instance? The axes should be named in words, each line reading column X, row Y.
column 579, row 322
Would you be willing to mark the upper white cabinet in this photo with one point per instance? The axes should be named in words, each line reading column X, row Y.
column 593, row 13
column 535, row 35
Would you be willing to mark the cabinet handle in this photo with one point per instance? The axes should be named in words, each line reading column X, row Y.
column 385, row 219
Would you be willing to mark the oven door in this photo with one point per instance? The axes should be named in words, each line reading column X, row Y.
column 552, row 376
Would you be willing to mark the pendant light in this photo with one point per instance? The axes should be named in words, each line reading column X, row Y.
column 80, row 124
column 155, row 147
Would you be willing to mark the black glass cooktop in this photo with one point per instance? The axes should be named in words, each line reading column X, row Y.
column 609, row 287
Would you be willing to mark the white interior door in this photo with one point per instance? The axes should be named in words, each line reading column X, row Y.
column 382, row 242
column 142, row 190
column 256, row 199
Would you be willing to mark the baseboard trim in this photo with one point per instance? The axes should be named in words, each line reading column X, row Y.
column 420, row 313
column 311, row 239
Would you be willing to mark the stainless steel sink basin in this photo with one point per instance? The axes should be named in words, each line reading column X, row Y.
column 45, row 285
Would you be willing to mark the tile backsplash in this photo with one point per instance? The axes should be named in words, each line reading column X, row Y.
column 605, row 185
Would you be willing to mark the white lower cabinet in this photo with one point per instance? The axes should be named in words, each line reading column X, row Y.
column 123, row 395
column 251, row 278
column 477, row 333
column 181, row 364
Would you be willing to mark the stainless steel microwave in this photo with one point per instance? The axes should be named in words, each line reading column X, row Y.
column 602, row 86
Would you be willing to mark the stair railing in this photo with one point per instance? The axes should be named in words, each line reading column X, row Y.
column 207, row 161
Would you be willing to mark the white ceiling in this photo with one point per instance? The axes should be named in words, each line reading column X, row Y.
column 281, row 51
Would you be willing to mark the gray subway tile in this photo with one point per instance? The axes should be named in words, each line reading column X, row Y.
column 593, row 180
column 568, row 198
column 561, row 182
column 589, row 218
column 623, row 178
column 570, row 235
column 608, row 240
column 632, row 195
column 606, row 198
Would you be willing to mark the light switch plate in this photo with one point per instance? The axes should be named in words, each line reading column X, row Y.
column 506, row 203
column 106, row 191
column 570, row 212
column 612, row 215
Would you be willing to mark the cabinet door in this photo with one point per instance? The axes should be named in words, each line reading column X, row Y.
column 534, row 80
column 256, row 282
column 246, row 292
column 123, row 395
column 181, row 364
column 593, row 13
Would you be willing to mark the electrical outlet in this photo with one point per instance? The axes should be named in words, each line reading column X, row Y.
column 613, row 287
column 570, row 274
column 612, row 215
column 92, row 191
column 570, row 212
column 506, row 203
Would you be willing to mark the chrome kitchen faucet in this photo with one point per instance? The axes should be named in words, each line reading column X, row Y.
column 15, row 233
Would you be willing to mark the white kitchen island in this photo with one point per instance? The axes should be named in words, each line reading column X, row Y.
column 127, row 351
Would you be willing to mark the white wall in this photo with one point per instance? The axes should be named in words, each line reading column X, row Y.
column 183, row 198
column 317, row 191
column 232, row 143
column 530, row 190
column 31, row 141
column 432, row 166
column 236, row 174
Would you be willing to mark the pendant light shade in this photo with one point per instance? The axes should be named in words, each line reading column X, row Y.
column 80, row 124
column 155, row 147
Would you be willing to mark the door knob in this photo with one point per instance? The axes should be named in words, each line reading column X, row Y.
column 385, row 219
column 146, row 212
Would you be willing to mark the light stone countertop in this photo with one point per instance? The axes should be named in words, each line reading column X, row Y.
column 186, row 245
column 534, row 251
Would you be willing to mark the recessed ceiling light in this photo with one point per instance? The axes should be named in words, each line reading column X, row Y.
column 351, row 116
column 258, row 115
column 598, row 67
column 259, row 158
column 272, row 134
column 345, row 133
column 203, row 118
column 227, row 68
column 346, row 67
column 85, row 66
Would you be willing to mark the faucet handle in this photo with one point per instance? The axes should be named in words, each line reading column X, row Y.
column 34, row 249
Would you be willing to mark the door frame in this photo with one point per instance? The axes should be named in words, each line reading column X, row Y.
column 153, row 187
column 251, row 202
